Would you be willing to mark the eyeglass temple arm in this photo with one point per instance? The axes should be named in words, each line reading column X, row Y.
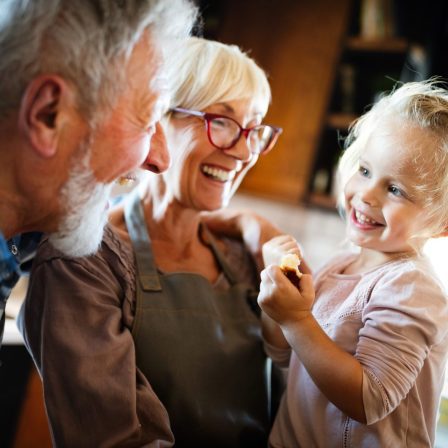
column 277, row 129
column 188, row 111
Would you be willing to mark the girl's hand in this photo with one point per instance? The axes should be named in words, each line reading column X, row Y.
column 278, row 246
column 281, row 300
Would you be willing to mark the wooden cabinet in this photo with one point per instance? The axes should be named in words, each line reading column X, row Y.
column 322, row 74
column 367, row 67
column 372, row 61
column 32, row 428
column 23, row 422
column 298, row 45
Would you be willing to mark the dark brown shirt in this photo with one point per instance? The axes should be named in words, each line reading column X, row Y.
column 77, row 322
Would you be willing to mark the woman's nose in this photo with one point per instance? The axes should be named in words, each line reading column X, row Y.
column 241, row 150
column 158, row 159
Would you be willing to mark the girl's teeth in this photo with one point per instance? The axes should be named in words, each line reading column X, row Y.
column 363, row 219
column 217, row 173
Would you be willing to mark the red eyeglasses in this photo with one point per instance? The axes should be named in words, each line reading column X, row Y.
column 224, row 132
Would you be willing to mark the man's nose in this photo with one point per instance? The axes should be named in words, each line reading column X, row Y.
column 158, row 159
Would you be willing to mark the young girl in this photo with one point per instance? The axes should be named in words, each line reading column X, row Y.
column 366, row 341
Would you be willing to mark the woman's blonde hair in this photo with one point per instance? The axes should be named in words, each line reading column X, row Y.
column 204, row 72
column 423, row 104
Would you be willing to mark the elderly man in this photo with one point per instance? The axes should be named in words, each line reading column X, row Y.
column 81, row 91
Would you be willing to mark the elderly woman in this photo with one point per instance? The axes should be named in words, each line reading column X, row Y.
column 165, row 311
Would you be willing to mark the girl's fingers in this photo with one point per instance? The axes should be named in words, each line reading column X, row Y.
column 304, row 268
column 306, row 282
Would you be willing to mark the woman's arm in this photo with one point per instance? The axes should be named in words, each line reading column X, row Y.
column 253, row 229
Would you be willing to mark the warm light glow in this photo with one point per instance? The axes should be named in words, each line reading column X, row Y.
column 436, row 249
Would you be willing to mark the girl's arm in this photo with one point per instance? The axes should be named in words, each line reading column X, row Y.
column 335, row 372
column 272, row 333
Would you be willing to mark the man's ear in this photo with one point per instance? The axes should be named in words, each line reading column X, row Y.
column 39, row 111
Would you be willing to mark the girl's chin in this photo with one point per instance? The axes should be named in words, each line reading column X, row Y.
column 356, row 238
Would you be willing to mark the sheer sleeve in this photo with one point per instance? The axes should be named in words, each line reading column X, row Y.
column 404, row 320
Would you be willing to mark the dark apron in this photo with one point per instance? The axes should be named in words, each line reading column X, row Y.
column 200, row 349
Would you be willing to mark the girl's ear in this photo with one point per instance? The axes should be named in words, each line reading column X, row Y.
column 39, row 112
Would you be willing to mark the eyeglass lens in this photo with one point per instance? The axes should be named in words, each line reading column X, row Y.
column 224, row 133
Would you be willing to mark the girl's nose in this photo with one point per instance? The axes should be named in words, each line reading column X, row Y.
column 158, row 159
column 369, row 195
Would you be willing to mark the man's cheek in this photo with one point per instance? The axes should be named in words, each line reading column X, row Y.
column 134, row 150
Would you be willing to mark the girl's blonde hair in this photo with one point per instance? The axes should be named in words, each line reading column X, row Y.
column 423, row 104
column 204, row 72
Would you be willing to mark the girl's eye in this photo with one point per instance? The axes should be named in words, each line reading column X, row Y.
column 364, row 171
column 396, row 191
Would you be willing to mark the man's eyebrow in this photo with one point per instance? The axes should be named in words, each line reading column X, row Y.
column 145, row 103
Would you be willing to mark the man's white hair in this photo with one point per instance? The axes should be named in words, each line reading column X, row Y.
column 84, row 203
column 86, row 42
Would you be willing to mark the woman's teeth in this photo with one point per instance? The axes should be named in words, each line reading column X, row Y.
column 363, row 219
column 218, row 174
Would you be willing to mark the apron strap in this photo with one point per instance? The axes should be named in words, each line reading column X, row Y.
column 141, row 243
column 210, row 241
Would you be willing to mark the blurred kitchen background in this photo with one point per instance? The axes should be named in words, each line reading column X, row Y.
column 327, row 61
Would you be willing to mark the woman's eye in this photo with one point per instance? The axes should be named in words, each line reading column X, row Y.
column 220, row 123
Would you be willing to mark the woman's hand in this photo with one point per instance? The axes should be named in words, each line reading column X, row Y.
column 281, row 300
column 253, row 229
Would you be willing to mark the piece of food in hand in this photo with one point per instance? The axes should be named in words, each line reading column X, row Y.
column 127, row 179
column 289, row 265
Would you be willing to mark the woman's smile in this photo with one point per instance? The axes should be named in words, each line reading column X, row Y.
column 217, row 173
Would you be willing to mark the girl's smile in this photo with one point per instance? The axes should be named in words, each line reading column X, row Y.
column 363, row 221
column 384, row 209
